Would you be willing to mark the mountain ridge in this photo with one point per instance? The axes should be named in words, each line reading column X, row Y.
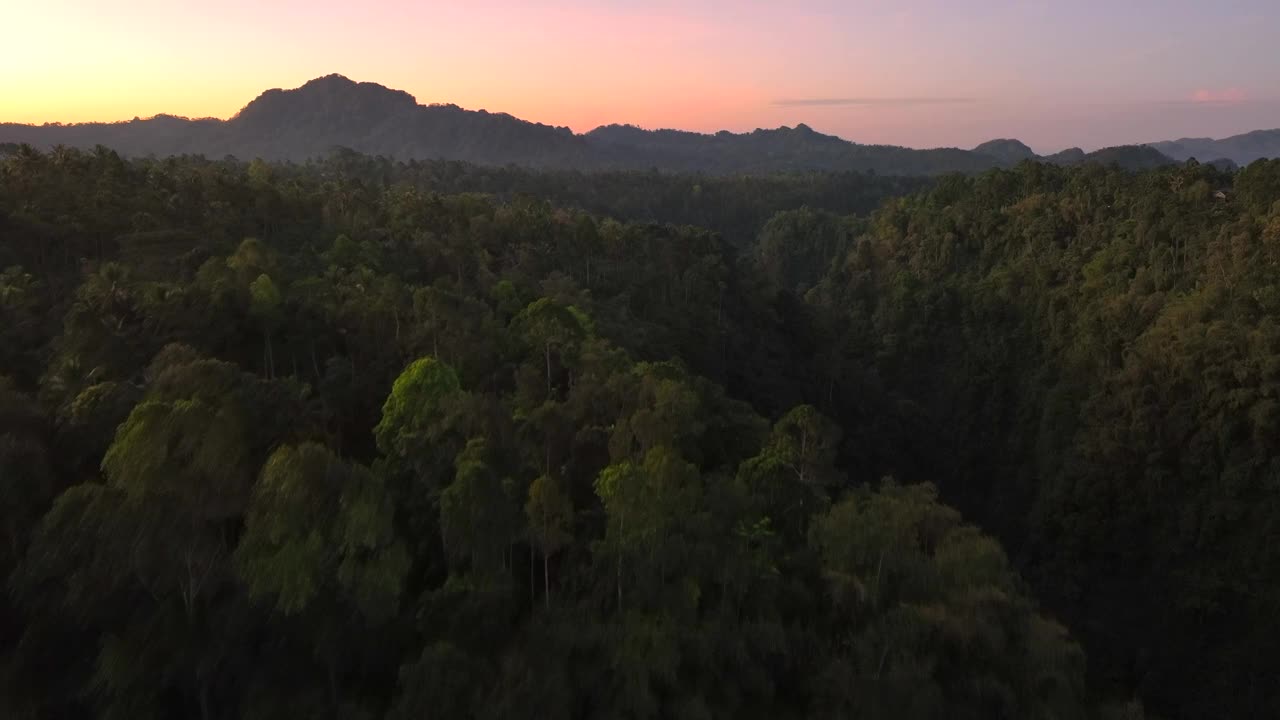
column 1240, row 149
column 334, row 111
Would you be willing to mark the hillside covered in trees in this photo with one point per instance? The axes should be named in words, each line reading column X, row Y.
column 379, row 440
column 331, row 112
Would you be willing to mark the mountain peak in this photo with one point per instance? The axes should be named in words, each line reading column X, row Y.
column 332, row 79
column 337, row 97
column 1006, row 150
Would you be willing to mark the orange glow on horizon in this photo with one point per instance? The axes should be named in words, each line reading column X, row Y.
column 907, row 72
column 99, row 103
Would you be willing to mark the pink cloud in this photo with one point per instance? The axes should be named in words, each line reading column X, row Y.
column 1227, row 96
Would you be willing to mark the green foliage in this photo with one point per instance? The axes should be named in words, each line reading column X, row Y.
column 26, row 474
column 647, row 505
column 1090, row 352
column 235, row 492
column 22, row 319
column 476, row 515
column 795, row 471
column 264, row 299
column 552, row 328
column 549, row 514
column 916, row 591
column 442, row 682
column 419, row 410
column 187, row 439
column 317, row 522
column 795, row 248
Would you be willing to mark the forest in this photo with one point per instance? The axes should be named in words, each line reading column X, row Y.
column 369, row 439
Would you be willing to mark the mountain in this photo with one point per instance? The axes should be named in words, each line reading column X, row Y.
column 328, row 112
column 161, row 135
column 1240, row 149
column 783, row 149
column 1132, row 157
column 333, row 111
column 1006, row 151
column 1070, row 156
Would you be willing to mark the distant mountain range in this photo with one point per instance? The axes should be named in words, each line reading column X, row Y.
column 1239, row 149
column 332, row 112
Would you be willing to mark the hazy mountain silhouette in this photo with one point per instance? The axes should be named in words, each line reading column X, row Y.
column 1006, row 150
column 798, row 148
column 1133, row 157
column 327, row 112
column 1240, row 149
column 334, row 111
column 1070, row 156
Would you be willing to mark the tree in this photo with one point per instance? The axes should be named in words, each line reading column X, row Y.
column 26, row 477
column 645, row 505
column 22, row 325
column 316, row 522
column 148, row 554
column 423, row 422
column 320, row 545
column 102, row 335
column 551, row 327
column 423, row 407
column 795, row 470
column 549, row 511
column 264, row 304
column 251, row 260
column 915, row 591
column 795, row 248
column 477, row 519
column 87, row 426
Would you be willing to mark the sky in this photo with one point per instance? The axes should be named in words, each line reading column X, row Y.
column 920, row 73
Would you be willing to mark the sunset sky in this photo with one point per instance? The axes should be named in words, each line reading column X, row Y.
column 922, row 73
